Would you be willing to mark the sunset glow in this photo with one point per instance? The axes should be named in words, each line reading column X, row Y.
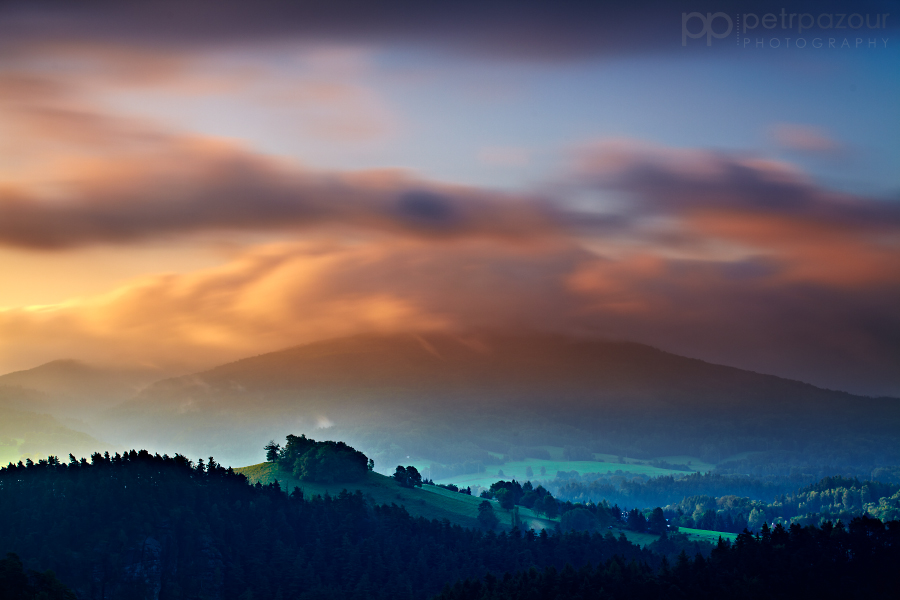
column 182, row 196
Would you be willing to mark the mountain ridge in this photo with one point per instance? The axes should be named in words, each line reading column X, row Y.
column 509, row 361
column 457, row 398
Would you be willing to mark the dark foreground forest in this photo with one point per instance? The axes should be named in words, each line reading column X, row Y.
column 146, row 526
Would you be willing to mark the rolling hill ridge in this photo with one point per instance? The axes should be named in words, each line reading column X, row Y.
column 453, row 398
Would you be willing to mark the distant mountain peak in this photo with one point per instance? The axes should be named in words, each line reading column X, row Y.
column 60, row 366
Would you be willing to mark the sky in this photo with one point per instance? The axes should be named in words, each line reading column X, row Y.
column 188, row 183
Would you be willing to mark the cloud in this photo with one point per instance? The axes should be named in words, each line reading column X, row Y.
column 197, row 185
column 720, row 247
column 742, row 312
column 733, row 258
column 279, row 295
column 804, row 138
column 505, row 156
column 520, row 30
column 80, row 176
column 523, row 29
column 747, row 199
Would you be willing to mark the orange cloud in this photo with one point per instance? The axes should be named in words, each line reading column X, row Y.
column 280, row 295
column 806, row 250
column 745, row 312
column 738, row 259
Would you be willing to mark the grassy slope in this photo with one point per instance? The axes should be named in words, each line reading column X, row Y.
column 707, row 536
column 430, row 502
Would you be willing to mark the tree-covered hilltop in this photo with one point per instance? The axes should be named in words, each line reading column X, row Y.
column 149, row 526
column 328, row 461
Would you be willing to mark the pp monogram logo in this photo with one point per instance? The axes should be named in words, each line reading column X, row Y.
column 707, row 29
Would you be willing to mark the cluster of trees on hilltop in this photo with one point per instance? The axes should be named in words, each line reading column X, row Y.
column 512, row 493
column 831, row 562
column 136, row 525
column 588, row 516
column 408, row 476
column 325, row 462
column 453, row 488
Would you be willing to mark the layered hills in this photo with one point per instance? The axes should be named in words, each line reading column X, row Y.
column 452, row 398
column 481, row 398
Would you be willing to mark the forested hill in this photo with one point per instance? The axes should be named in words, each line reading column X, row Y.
column 822, row 563
column 149, row 526
column 141, row 525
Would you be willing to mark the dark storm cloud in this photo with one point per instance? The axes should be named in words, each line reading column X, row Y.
column 178, row 185
column 240, row 192
column 510, row 29
column 661, row 181
column 524, row 29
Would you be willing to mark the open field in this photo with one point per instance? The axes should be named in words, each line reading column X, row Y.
column 707, row 536
column 605, row 464
column 602, row 463
column 517, row 470
column 428, row 501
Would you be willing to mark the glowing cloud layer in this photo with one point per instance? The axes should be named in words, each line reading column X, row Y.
column 731, row 256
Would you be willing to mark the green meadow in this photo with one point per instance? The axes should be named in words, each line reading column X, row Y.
column 707, row 536
column 428, row 501
column 602, row 463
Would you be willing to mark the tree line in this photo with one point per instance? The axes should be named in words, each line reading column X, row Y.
column 828, row 500
column 828, row 562
column 141, row 525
